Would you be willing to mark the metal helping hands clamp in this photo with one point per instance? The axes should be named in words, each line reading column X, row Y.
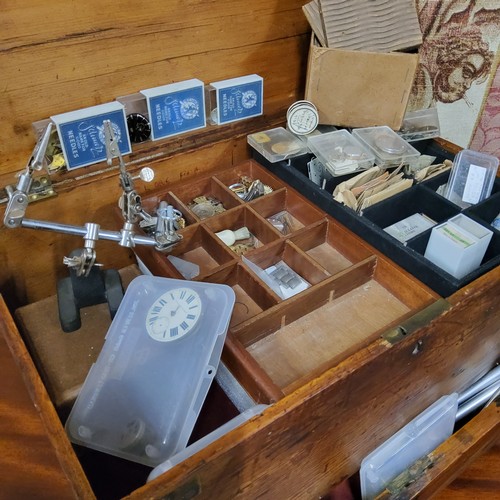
column 165, row 234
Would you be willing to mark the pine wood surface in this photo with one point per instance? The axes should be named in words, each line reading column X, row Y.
column 478, row 481
column 59, row 57
column 36, row 460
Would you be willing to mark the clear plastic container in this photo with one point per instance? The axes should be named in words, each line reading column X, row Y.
column 142, row 397
column 389, row 149
column 415, row 440
column 471, row 179
column 420, row 125
column 277, row 144
column 340, row 152
column 206, row 440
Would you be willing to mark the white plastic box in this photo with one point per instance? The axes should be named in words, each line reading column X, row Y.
column 415, row 440
column 340, row 152
column 471, row 179
column 277, row 144
column 142, row 397
column 458, row 245
column 389, row 149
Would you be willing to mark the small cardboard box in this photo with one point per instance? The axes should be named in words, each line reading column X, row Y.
column 359, row 89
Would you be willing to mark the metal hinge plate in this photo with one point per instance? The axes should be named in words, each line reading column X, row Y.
column 41, row 188
column 420, row 319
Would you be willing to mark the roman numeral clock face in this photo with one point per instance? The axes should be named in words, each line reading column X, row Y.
column 174, row 314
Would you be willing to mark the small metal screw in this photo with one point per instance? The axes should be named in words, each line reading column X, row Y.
column 20, row 199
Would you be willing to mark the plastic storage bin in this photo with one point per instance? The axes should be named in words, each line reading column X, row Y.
column 389, row 149
column 420, row 125
column 458, row 245
column 206, row 440
column 340, row 152
column 472, row 177
column 422, row 435
column 277, row 144
column 142, row 397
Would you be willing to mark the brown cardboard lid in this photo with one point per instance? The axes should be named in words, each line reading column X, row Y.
column 359, row 89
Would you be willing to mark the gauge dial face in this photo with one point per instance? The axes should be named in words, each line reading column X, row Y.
column 174, row 314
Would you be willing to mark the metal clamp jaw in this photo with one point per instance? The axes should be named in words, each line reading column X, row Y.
column 18, row 197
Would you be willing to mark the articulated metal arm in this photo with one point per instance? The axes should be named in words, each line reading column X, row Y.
column 165, row 233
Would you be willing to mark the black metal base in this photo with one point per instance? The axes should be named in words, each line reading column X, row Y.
column 76, row 292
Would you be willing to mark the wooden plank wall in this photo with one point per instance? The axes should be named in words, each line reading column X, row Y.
column 60, row 56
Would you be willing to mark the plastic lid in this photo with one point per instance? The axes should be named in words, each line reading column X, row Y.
column 387, row 146
column 277, row 144
column 472, row 177
column 142, row 397
column 340, row 152
column 418, row 438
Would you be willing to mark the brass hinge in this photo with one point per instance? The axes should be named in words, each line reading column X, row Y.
column 418, row 320
column 396, row 488
column 187, row 491
column 41, row 188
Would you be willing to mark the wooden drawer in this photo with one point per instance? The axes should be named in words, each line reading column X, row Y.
column 397, row 348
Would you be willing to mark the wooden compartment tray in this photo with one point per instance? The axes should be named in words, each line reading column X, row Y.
column 284, row 340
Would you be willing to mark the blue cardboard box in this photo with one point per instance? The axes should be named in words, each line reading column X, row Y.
column 176, row 108
column 82, row 137
column 236, row 99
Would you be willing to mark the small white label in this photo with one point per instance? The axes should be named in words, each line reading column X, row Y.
column 456, row 236
column 407, row 228
column 474, row 184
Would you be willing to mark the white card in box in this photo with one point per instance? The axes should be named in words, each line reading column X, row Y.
column 142, row 397
column 471, row 179
column 458, row 245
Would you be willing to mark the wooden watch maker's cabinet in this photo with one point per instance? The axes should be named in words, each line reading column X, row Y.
column 342, row 365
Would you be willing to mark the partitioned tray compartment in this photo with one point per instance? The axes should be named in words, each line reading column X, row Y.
column 261, row 231
column 251, row 171
column 286, row 211
column 198, row 246
column 151, row 203
column 352, row 293
column 298, row 339
column 412, row 201
column 369, row 226
column 285, row 268
column 332, row 248
column 211, row 189
column 252, row 298
column 486, row 211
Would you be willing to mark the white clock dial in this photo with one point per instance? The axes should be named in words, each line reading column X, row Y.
column 173, row 314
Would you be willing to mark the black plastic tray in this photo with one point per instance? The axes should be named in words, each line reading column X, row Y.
column 419, row 198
